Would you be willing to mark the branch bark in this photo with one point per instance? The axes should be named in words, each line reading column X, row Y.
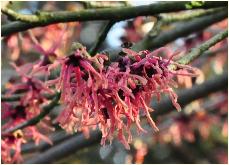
column 196, row 52
column 187, row 16
column 17, row 97
column 117, row 14
column 101, row 38
column 57, row 137
column 63, row 149
column 185, row 29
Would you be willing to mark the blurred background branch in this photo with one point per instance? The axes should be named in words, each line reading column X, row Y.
column 102, row 36
column 182, row 30
column 196, row 52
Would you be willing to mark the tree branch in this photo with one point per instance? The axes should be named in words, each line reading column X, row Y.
column 101, row 38
column 170, row 18
column 196, row 52
column 19, row 17
column 152, row 42
column 45, row 111
column 165, row 106
column 210, row 53
column 13, row 98
column 56, row 138
column 67, row 147
column 17, row 97
column 185, row 29
column 165, row 19
column 117, row 14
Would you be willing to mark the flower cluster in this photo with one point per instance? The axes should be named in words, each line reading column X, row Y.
column 14, row 114
column 11, row 142
column 35, row 92
column 114, row 97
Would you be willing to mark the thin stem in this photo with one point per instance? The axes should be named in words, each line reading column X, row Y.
column 67, row 147
column 117, row 14
column 56, row 137
column 170, row 18
column 17, row 97
column 165, row 19
column 182, row 30
column 199, row 50
column 11, row 98
column 101, row 4
column 45, row 111
column 20, row 17
column 102, row 36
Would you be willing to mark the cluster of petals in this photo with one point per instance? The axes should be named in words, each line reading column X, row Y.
column 11, row 142
column 29, row 104
column 28, row 107
column 114, row 97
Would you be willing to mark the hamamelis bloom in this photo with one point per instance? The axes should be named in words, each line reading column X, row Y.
column 30, row 83
column 12, row 142
column 13, row 116
column 114, row 97
column 27, row 108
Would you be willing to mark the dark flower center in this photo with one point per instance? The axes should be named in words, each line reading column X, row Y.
column 127, row 45
column 137, row 71
column 85, row 76
column 122, row 53
column 122, row 64
column 19, row 112
column 105, row 113
column 11, row 138
column 150, row 71
column 137, row 89
column 184, row 119
column 45, row 61
column 121, row 94
column 32, row 84
column 73, row 60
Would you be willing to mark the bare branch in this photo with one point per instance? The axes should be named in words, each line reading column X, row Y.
column 117, row 14
column 101, row 38
column 196, row 52
column 198, row 24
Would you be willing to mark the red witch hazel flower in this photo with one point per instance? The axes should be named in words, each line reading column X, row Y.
column 18, row 113
column 11, row 142
column 113, row 97
column 29, row 82
column 48, row 56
